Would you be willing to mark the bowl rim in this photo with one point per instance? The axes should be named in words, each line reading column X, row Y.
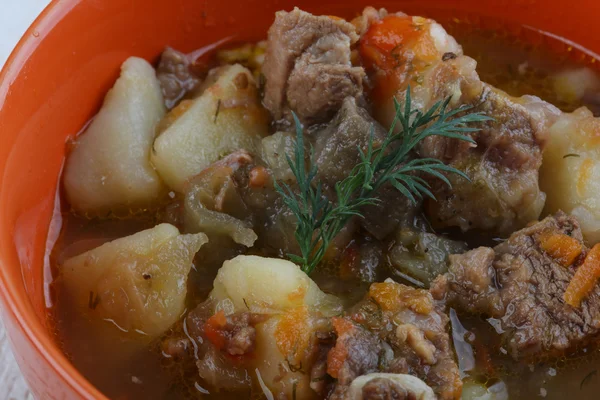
column 43, row 344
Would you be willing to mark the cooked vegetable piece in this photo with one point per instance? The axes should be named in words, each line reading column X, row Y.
column 422, row 255
column 274, row 150
column 564, row 248
column 269, row 285
column 138, row 282
column 227, row 117
column 292, row 302
column 109, row 168
column 585, row 278
column 570, row 172
column 250, row 55
column 210, row 198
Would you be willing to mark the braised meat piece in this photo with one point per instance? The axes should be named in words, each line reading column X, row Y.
column 175, row 76
column 233, row 334
column 395, row 329
column 357, row 352
column 520, row 285
column 307, row 66
column 503, row 193
column 337, row 153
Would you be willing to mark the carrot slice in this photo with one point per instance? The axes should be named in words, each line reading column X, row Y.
column 563, row 248
column 392, row 296
column 584, row 279
column 337, row 356
column 293, row 333
column 213, row 329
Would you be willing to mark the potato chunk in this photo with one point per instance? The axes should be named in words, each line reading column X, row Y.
column 270, row 285
column 294, row 302
column 138, row 282
column 227, row 116
column 109, row 167
column 570, row 173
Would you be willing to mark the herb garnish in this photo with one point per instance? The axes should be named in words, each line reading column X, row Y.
column 217, row 111
column 93, row 300
column 319, row 220
column 588, row 378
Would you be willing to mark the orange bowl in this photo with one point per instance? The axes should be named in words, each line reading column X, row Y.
column 56, row 79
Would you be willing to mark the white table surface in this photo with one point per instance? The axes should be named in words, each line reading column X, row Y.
column 15, row 17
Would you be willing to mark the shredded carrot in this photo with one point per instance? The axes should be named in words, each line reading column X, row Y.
column 213, row 329
column 392, row 296
column 259, row 177
column 584, row 279
column 584, row 177
column 337, row 356
column 563, row 248
column 293, row 333
column 398, row 47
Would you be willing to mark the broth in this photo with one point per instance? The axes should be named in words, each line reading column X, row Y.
column 125, row 369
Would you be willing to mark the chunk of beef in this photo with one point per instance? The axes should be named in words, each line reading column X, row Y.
column 521, row 287
column 357, row 352
column 337, row 153
column 503, row 192
column 412, row 329
column 233, row 334
column 175, row 76
column 307, row 66
column 240, row 334
column 337, row 144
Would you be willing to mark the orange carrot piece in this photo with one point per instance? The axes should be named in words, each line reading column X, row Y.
column 213, row 329
column 584, row 279
column 337, row 356
column 393, row 296
column 563, row 248
column 259, row 177
column 293, row 333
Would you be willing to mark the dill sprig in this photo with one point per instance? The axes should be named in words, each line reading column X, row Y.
column 319, row 219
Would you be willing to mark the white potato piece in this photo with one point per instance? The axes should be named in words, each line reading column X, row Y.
column 570, row 173
column 270, row 362
column 227, row 116
column 137, row 282
column 572, row 84
column 277, row 287
column 411, row 383
column 270, row 285
column 109, row 167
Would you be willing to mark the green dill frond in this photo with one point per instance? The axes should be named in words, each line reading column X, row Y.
column 319, row 220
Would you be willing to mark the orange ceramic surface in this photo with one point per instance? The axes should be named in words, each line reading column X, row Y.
column 55, row 81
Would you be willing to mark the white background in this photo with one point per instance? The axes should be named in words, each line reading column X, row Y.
column 15, row 17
